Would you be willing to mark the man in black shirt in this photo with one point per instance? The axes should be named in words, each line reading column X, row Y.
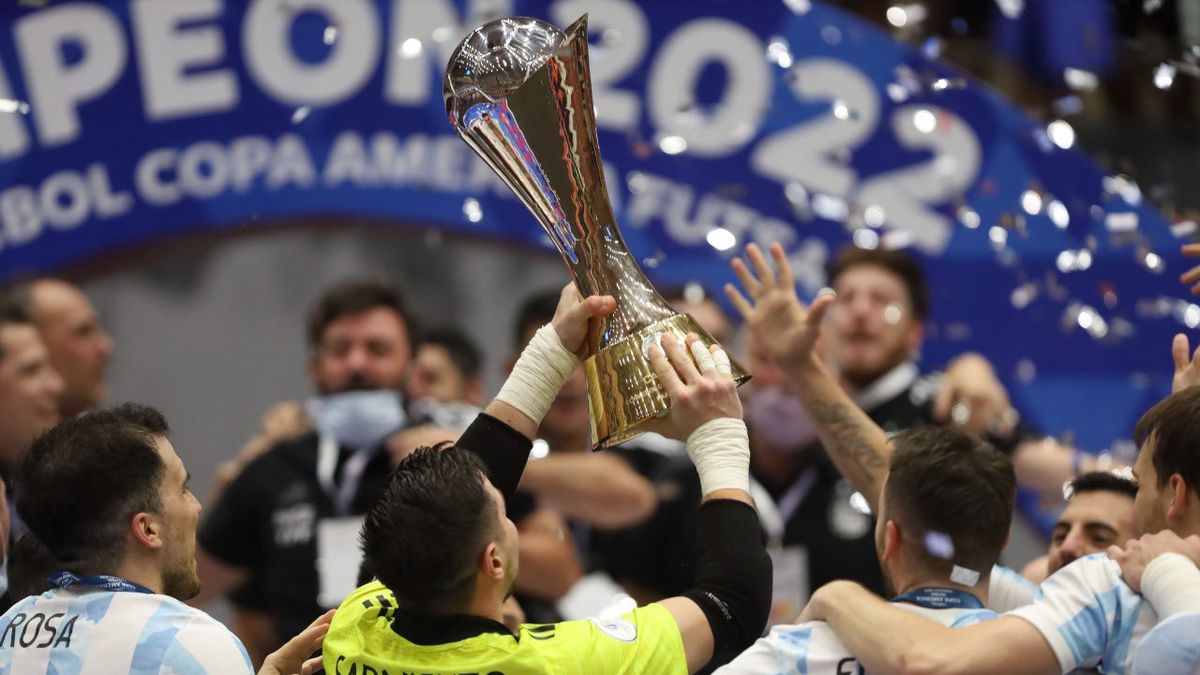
column 282, row 521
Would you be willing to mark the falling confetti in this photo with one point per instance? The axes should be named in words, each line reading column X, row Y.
column 472, row 210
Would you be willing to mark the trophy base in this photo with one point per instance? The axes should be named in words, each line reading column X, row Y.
column 623, row 391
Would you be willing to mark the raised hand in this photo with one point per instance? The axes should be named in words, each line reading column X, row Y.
column 785, row 329
column 972, row 395
column 573, row 313
column 700, row 391
column 1187, row 372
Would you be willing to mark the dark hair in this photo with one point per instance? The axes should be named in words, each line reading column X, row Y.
column 82, row 481
column 900, row 264
column 947, row 484
column 12, row 313
column 425, row 534
column 29, row 565
column 1175, row 424
column 1102, row 481
column 461, row 349
column 535, row 312
column 355, row 297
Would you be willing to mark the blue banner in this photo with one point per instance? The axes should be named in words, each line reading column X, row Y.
column 720, row 123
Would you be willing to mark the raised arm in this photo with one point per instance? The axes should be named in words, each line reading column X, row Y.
column 788, row 332
column 727, row 608
column 502, row 433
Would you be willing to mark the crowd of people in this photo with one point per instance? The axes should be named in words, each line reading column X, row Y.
column 839, row 512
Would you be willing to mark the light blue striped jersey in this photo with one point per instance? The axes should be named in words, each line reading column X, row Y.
column 82, row 630
column 814, row 649
column 1090, row 617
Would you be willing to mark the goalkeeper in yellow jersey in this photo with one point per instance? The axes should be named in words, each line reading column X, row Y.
column 445, row 554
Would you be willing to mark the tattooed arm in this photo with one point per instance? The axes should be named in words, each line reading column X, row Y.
column 787, row 332
column 858, row 447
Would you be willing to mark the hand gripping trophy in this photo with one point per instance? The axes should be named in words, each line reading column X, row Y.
column 518, row 91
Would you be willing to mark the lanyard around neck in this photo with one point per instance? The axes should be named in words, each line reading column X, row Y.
column 65, row 579
column 940, row 598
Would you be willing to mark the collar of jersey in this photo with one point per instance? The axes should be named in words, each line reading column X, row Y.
column 888, row 386
column 428, row 630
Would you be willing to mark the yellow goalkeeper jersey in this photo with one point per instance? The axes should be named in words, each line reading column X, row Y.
column 369, row 636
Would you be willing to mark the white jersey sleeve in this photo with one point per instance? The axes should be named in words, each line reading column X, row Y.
column 805, row 648
column 1089, row 616
column 1008, row 590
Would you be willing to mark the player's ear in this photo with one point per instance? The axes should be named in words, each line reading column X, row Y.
column 1178, row 497
column 490, row 563
column 146, row 529
column 892, row 540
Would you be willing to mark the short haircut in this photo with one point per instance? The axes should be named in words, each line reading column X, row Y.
column 953, row 495
column 29, row 565
column 12, row 313
column 1102, row 481
column 355, row 297
column 1174, row 422
column 462, row 350
column 82, row 481
column 535, row 312
column 898, row 263
column 424, row 536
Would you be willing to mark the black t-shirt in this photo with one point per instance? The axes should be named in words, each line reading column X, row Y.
column 912, row 407
column 266, row 522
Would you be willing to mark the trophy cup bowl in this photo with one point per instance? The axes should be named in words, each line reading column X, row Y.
column 518, row 91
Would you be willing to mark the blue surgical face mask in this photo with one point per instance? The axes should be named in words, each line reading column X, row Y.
column 358, row 419
column 778, row 420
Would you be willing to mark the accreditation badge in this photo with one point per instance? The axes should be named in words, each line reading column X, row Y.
column 790, row 575
column 338, row 559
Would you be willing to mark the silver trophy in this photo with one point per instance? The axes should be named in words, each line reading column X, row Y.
column 518, row 90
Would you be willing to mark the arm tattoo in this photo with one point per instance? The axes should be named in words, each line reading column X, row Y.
column 849, row 434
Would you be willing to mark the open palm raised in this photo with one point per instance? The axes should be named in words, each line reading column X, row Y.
column 784, row 328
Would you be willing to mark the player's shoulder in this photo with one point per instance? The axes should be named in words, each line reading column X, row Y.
column 650, row 622
column 366, row 608
column 194, row 625
column 1096, row 573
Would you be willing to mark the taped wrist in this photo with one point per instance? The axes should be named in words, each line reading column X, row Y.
column 544, row 366
column 504, row 451
column 1171, row 583
column 733, row 576
column 720, row 449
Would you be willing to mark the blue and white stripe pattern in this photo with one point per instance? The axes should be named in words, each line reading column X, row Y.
column 89, row 631
column 1090, row 617
column 813, row 648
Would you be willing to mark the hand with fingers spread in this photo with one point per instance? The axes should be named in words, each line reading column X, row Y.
column 781, row 324
column 1187, row 372
column 1192, row 276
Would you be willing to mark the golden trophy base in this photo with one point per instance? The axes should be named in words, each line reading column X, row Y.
column 623, row 391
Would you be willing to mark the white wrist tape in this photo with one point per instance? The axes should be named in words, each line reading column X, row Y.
column 720, row 449
column 1171, row 582
column 544, row 366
